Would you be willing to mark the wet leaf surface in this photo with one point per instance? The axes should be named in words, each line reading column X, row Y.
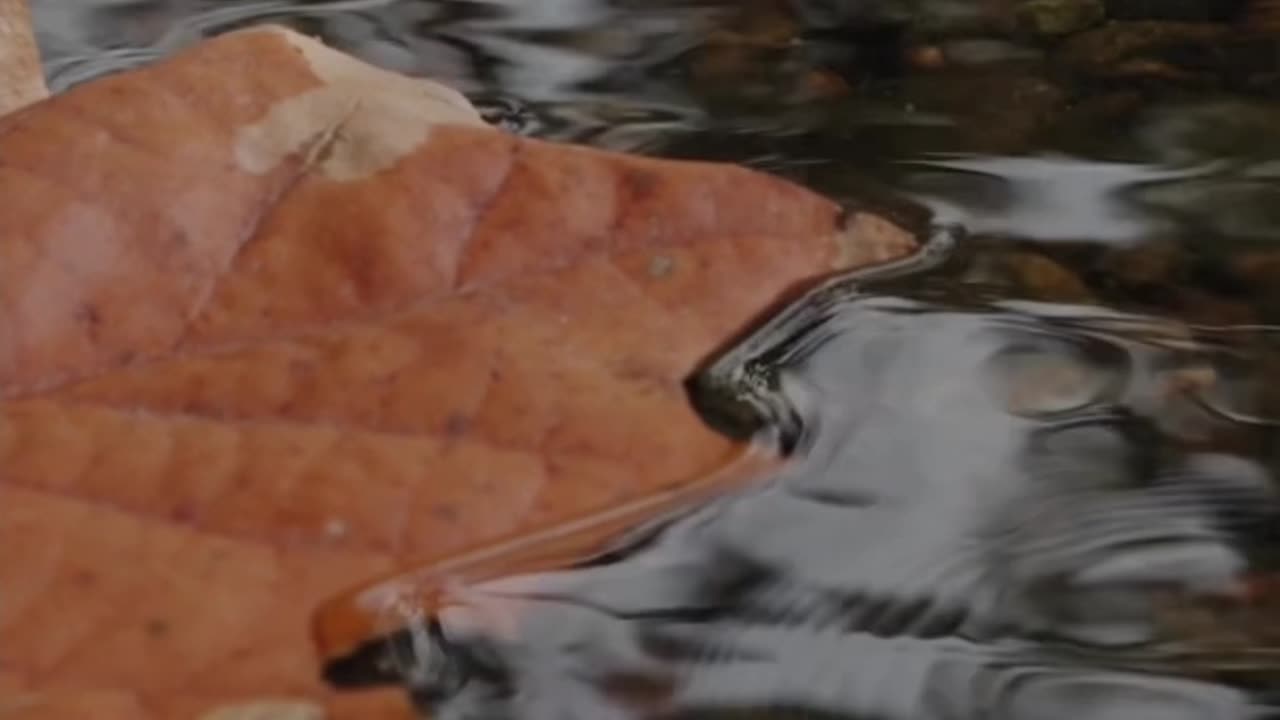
column 272, row 322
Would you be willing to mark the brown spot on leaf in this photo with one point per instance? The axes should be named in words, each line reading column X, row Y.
column 456, row 425
column 156, row 627
column 640, row 184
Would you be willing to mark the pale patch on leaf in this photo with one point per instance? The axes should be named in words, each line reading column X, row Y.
column 275, row 709
column 362, row 120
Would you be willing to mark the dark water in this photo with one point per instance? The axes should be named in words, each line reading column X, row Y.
column 1031, row 480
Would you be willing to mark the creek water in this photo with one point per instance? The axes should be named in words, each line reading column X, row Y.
column 1033, row 480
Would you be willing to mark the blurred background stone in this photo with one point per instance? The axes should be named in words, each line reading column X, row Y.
column 1059, row 17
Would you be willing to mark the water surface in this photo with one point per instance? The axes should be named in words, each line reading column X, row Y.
column 994, row 509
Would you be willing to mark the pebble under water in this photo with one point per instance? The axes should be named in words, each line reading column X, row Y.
column 992, row 509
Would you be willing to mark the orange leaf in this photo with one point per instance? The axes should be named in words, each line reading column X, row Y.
column 273, row 322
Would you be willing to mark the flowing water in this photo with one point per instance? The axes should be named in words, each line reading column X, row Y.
column 994, row 509
column 1031, row 479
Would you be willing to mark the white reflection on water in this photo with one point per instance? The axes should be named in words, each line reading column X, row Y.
column 1045, row 197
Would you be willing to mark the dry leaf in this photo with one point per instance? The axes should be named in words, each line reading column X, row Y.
column 273, row 321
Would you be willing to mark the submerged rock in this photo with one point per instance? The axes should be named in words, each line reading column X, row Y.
column 1197, row 56
column 1000, row 111
column 1176, row 10
column 1059, row 17
column 1030, row 274
column 1135, row 49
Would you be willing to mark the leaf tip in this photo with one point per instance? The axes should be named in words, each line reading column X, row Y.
column 865, row 239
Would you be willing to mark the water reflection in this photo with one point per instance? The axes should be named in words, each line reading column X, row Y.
column 833, row 94
column 1051, row 198
column 585, row 67
column 989, row 513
